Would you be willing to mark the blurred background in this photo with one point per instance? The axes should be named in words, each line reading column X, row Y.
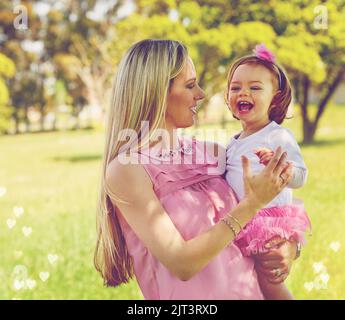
column 57, row 61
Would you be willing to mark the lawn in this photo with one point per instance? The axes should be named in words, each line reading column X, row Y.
column 48, row 191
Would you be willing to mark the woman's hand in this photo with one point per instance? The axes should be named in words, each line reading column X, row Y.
column 276, row 264
column 262, row 188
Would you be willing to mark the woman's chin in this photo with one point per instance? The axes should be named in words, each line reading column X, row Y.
column 189, row 123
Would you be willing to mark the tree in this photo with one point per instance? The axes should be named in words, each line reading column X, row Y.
column 218, row 31
column 77, row 46
column 25, row 87
column 315, row 56
column 7, row 70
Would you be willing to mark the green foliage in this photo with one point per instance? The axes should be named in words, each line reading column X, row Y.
column 307, row 37
column 7, row 70
column 4, row 95
column 7, row 67
column 82, row 52
column 251, row 33
column 299, row 56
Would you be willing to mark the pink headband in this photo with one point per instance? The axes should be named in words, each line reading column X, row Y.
column 262, row 53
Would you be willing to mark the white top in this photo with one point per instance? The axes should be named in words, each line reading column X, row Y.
column 272, row 136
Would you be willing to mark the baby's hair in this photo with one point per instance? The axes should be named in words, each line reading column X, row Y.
column 281, row 101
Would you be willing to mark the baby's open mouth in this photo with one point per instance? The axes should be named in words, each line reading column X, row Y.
column 244, row 106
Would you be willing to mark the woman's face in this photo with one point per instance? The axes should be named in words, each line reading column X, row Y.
column 182, row 98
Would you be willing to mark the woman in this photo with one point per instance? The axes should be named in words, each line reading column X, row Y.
column 172, row 222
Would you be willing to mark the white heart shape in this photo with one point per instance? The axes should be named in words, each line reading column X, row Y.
column 30, row 283
column 324, row 277
column 11, row 223
column 18, row 211
column 20, row 272
column 52, row 258
column 319, row 283
column 335, row 246
column 309, row 286
column 318, row 266
column 18, row 284
column 44, row 275
column 27, row 231
column 2, row 191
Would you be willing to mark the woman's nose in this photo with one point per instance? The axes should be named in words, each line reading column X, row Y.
column 201, row 94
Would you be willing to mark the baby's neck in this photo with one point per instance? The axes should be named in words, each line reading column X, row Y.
column 251, row 128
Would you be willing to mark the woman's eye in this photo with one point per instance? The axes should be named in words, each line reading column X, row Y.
column 191, row 87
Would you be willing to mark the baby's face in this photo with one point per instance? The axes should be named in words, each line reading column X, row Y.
column 250, row 94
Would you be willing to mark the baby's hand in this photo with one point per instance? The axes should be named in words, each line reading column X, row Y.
column 264, row 154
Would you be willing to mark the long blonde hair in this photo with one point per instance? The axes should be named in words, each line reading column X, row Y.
column 140, row 91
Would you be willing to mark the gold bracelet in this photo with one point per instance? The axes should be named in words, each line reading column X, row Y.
column 233, row 218
column 228, row 223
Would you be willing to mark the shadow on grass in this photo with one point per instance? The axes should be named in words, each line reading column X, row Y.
column 39, row 131
column 324, row 143
column 79, row 158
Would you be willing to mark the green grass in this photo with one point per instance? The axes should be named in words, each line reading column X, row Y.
column 55, row 178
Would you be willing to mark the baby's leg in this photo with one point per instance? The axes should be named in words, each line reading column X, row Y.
column 274, row 291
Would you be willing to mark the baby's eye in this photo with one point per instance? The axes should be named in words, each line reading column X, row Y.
column 235, row 88
column 255, row 88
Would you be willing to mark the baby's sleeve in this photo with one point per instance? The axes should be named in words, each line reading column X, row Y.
column 283, row 137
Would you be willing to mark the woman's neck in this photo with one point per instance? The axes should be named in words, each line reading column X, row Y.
column 167, row 138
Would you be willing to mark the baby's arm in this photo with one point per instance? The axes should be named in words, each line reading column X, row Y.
column 283, row 137
column 299, row 174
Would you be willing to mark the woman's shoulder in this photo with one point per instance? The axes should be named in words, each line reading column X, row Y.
column 126, row 176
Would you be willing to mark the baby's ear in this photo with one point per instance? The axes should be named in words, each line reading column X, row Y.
column 276, row 95
column 278, row 92
column 275, row 99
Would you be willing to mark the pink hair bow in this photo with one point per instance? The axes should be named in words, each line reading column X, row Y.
column 263, row 53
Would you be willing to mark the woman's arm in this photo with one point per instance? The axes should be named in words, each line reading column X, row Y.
column 144, row 213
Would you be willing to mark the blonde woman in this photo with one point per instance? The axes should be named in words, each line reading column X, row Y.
column 165, row 214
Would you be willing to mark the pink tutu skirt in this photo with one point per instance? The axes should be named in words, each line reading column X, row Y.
column 289, row 222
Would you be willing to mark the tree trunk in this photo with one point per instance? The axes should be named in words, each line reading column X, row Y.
column 54, row 127
column 76, row 112
column 309, row 130
column 26, row 119
column 309, row 126
column 16, row 122
column 304, row 98
column 331, row 89
column 42, row 122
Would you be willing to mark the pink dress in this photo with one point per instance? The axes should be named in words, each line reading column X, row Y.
column 289, row 222
column 195, row 200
